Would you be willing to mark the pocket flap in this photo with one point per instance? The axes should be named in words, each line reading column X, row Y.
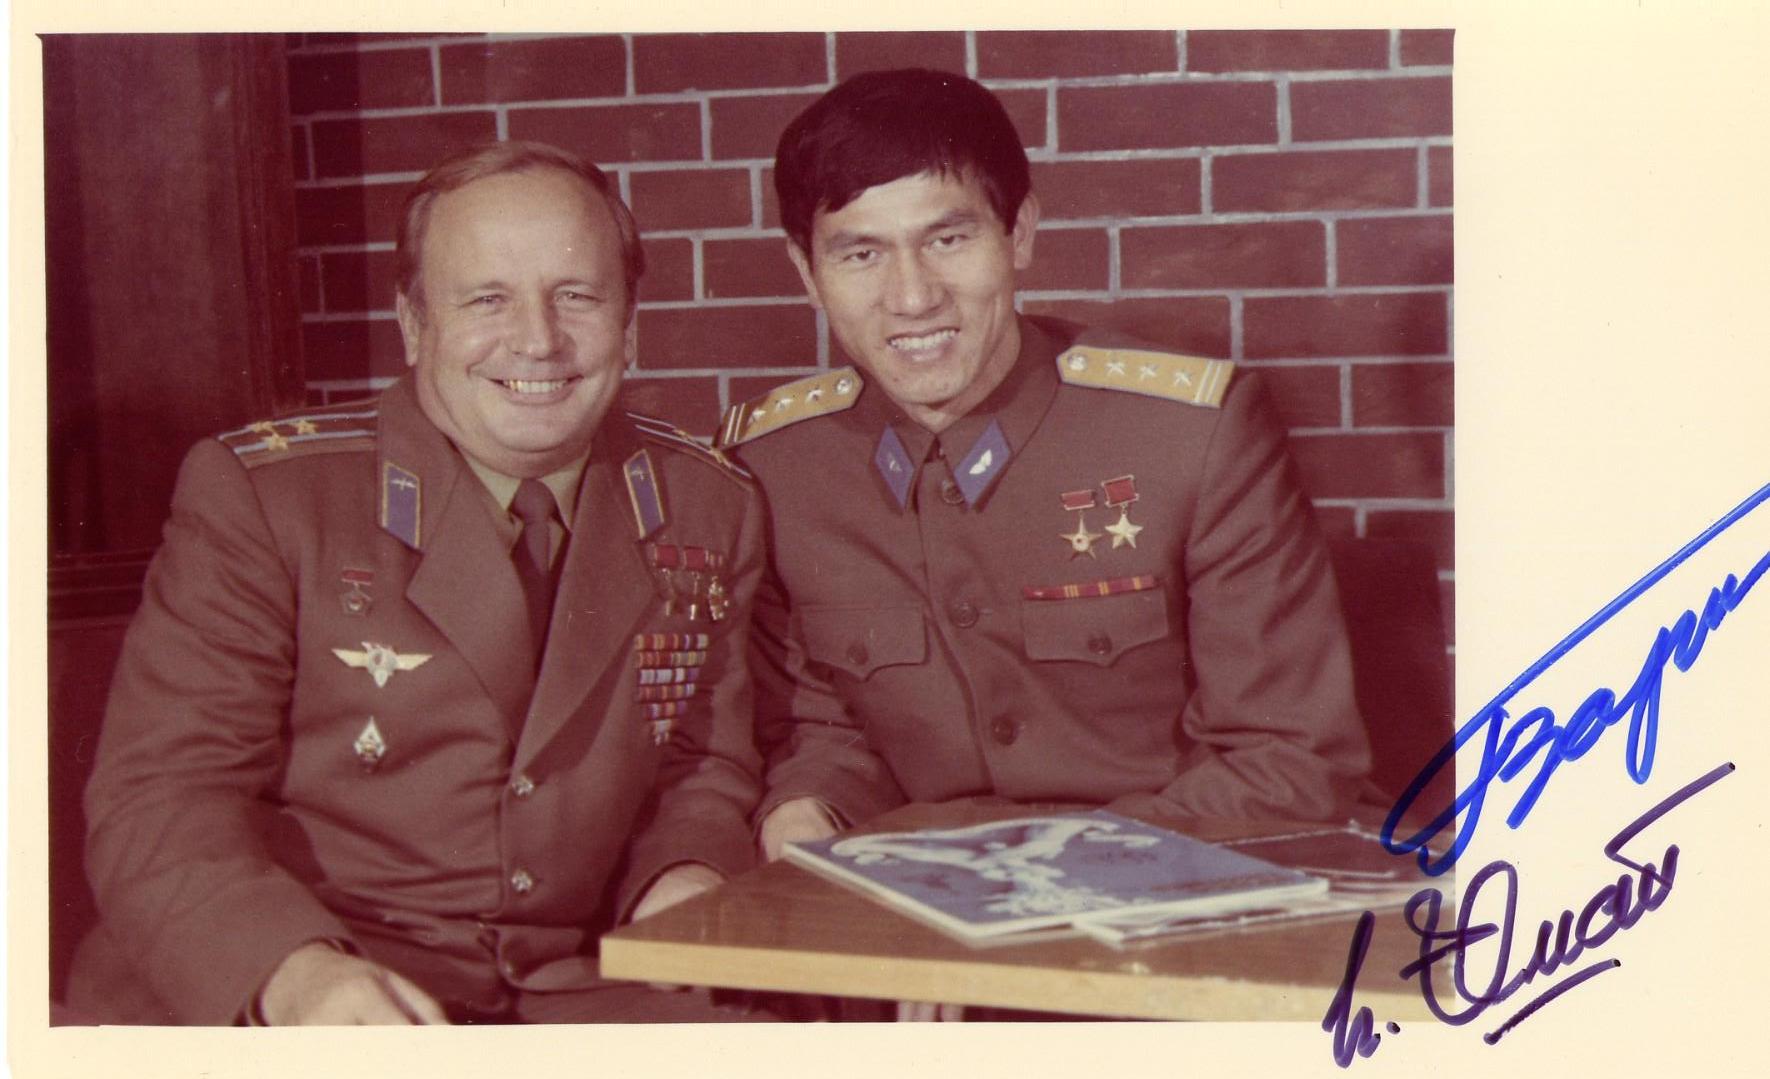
column 860, row 640
column 1094, row 629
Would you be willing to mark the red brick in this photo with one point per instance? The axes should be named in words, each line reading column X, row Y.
column 1277, row 254
column 610, row 133
column 690, row 403
column 1305, row 396
column 542, row 69
column 384, row 79
column 669, row 269
column 1395, row 250
column 1436, row 528
column 360, row 280
column 749, row 268
column 666, row 62
column 1068, row 259
column 1286, row 50
column 1027, row 110
column 877, row 51
column 1370, row 108
column 1337, row 521
column 1370, row 466
column 360, row 349
column 1385, row 324
column 1314, row 180
column 692, row 199
column 1195, row 325
column 1069, row 189
column 307, row 269
column 1044, row 54
column 749, row 387
column 1403, row 395
column 1447, row 601
column 396, row 143
column 750, row 126
column 755, row 336
column 1166, row 115
column 1439, row 176
column 1420, row 48
column 298, row 152
column 361, row 213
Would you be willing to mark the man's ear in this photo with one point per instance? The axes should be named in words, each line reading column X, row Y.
column 1026, row 223
column 802, row 263
column 410, row 324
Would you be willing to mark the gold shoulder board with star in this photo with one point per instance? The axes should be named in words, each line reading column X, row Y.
column 662, row 431
column 323, row 430
column 786, row 405
column 1191, row 379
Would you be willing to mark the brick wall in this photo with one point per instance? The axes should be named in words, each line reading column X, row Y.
column 1281, row 198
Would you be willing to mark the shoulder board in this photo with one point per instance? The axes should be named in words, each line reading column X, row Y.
column 657, row 430
column 1190, row 379
column 786, row 405
column 333, row 430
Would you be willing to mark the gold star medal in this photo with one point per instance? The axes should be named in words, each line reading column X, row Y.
column 1120, row 493
column 1081, row 541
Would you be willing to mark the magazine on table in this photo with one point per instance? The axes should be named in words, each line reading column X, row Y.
column 1063, row 871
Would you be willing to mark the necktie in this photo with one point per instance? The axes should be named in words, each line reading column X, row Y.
column 534, row 506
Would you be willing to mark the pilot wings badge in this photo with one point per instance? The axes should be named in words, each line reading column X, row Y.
column 380, row 660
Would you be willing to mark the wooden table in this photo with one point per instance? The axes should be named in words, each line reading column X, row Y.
column 783, row 928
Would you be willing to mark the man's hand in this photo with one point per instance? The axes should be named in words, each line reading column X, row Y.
column 674, row 885
column 318, row 985
column 801, row 820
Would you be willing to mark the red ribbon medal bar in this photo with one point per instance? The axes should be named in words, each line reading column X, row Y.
column 668, row 671
column 701, row 568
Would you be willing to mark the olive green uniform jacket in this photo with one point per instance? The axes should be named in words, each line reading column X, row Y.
column 927, row 647
column 238, row 808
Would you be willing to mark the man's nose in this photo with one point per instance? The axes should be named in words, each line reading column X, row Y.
column 912, row 288
column 535, row 332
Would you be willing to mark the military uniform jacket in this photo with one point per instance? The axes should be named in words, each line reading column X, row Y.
column 240, row 805
column 952, row 616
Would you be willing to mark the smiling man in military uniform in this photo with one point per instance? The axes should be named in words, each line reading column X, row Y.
column 1011, row 556
column 423, row 693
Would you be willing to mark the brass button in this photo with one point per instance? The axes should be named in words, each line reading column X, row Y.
column 1100, row 644
column 964, row 614
column 1004, row 730
column 950, row 493
column 522, row 786
column 857, row 654
column 521, row 883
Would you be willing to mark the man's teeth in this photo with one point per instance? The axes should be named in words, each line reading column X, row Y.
column 523, row 385
column 908, row 343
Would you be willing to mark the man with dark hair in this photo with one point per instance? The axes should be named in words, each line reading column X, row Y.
column 1011, row 556
column 425, row 692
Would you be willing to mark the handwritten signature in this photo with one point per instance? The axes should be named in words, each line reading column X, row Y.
column 1507, row 750
column 1616, row 907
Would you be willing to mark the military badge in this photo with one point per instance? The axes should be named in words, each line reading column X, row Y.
column 1120, row 493
column 355, row 596
column 1081, row 541
column 667, row 672
column 370, row 746
column 380, row 661
column 644, row 493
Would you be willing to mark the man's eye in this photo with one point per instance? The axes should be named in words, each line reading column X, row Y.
column 948, row 240
column 488, row 301
column 860, row 256
column 576, row 296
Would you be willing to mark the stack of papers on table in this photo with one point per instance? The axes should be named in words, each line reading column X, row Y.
column 1064, row 872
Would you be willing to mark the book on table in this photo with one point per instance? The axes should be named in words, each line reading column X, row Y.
column 1053, row 873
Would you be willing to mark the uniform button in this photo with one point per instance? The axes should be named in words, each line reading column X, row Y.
column 964, row 614
column 1004, row 730
column 521, row 882
column 857, row 654
column 950, row 493
column 1100, row 644
column 522, row 786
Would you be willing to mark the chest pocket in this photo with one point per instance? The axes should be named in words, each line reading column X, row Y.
column 860, row 640
column 1094, row 629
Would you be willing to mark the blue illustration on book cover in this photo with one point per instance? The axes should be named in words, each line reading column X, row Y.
column 1037, row 872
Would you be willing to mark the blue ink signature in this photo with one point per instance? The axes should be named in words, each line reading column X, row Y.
column 1552, row 743
column 1615, row 908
